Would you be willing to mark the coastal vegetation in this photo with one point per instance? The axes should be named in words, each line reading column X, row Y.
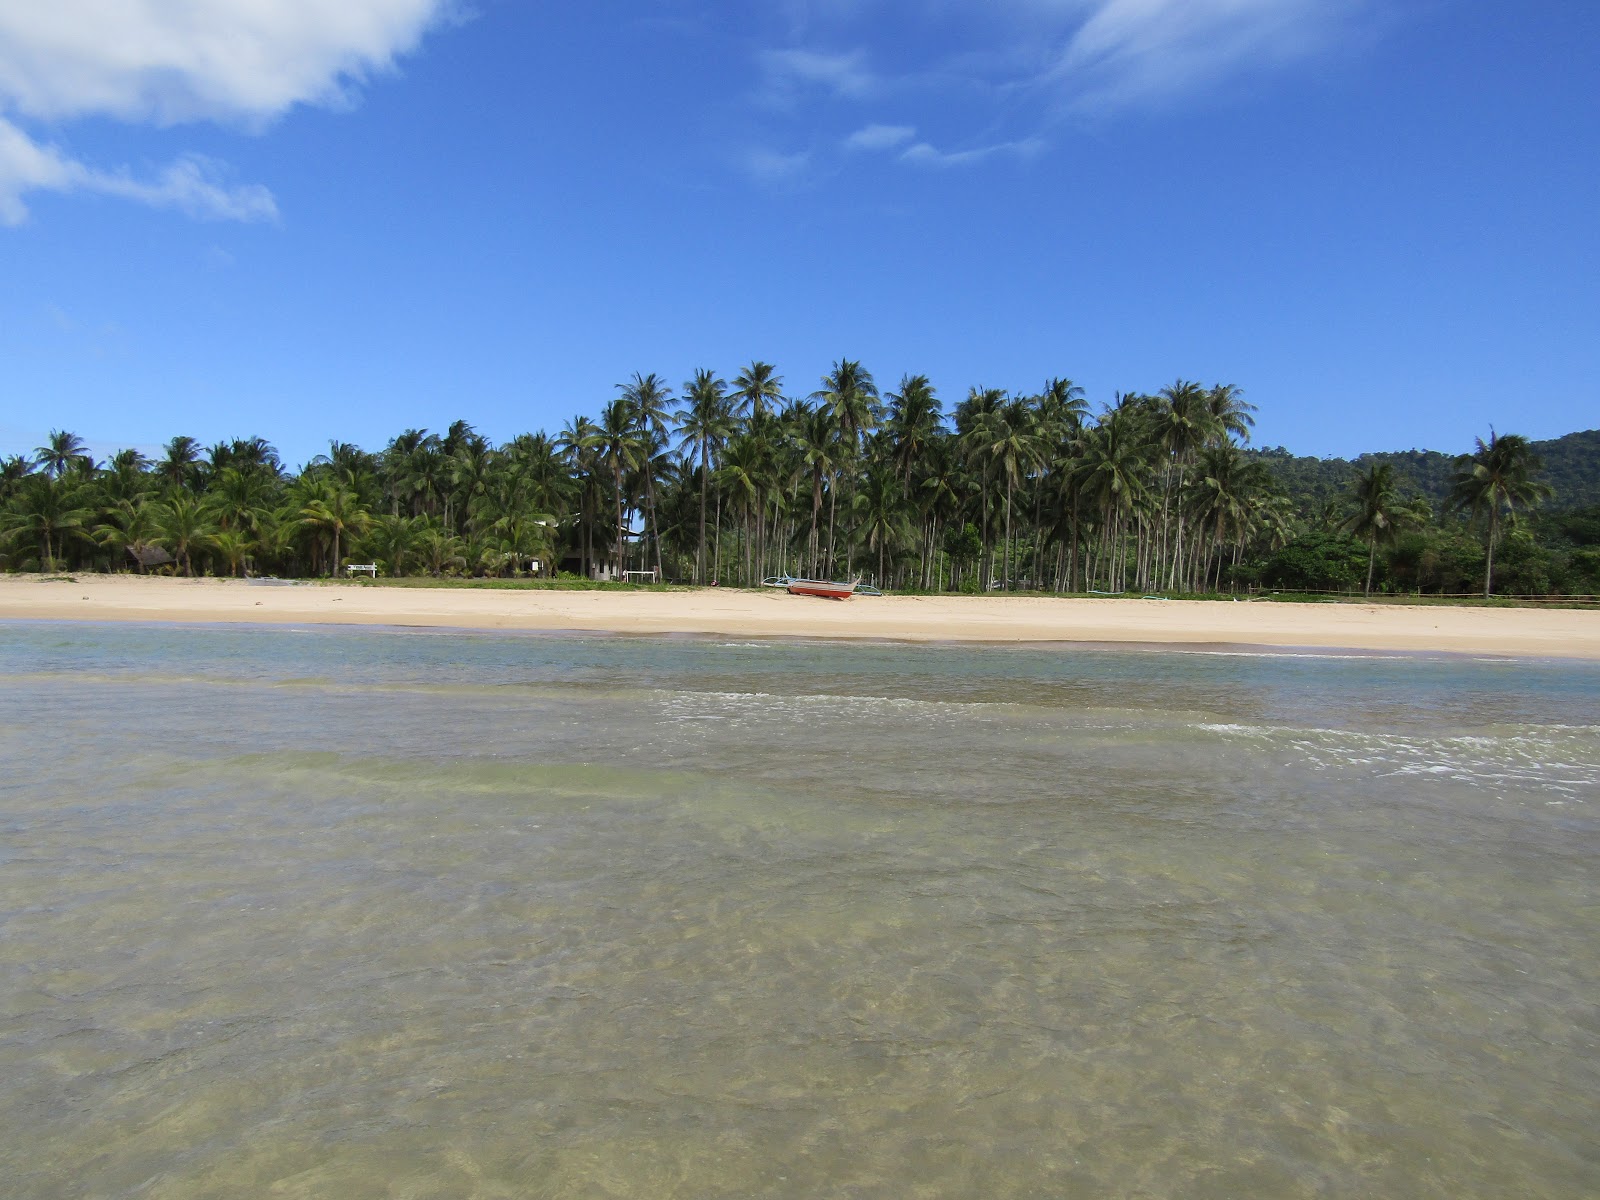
column 728, row 482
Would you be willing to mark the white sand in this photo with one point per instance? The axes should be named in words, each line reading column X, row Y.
column 1563, row 633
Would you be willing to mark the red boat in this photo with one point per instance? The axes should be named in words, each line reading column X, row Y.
column 813, row 587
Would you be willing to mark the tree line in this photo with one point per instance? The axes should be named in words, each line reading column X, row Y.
column 732, row 481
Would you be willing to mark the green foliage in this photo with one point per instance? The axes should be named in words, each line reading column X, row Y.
column 1317, row 562
column 1152, row 493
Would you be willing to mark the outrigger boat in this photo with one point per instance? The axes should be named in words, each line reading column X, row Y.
column 820, row 587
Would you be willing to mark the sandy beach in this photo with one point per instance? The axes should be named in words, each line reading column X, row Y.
column 1562, row 633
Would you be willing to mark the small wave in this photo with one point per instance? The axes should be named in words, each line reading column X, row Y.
column 1547, row 758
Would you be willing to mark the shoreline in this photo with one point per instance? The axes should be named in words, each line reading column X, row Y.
column 1236, row 626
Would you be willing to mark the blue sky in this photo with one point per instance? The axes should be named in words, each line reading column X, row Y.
column 338, row 221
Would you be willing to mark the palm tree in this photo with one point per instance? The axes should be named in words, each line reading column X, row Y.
column 13, row 470
column 1227, row 492
column 878, row 506
column 234, row 546
column 181, row 466
column 185, row 526
column 335, row 510
column 1007, row 439
column 48, row 510
column 577, row 444
column 818, row 443
column 391, row 539
column 63, row 452
column 705, row 423
column 851, row 398
column 1184, row 423
column 913, row 421
column 1496, row 479
column 616, row 440
column 755, row 387
column 647, row 398
column 1376, row 513
column 1230, row 413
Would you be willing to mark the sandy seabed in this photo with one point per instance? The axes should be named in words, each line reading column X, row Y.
column 1556, row 633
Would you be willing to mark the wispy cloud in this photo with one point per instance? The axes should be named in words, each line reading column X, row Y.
column 842, row 74
column 1132, row 51
column 240, row 62
column 772, row 166
column 923, row 154
column 880, row 137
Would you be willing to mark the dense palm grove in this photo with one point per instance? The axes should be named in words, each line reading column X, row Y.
column 730, row 482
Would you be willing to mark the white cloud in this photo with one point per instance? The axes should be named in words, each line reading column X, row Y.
column 173, row 61
column 880, row 137
column 845, row 74
column 770, row 166
column 925, row 155
column 1127, row 51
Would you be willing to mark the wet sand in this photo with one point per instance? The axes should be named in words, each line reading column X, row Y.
column 1562, row 633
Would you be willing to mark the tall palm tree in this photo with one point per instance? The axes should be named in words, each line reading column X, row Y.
column 1006, row 437
column 1230, row 413
column 878, row 508
column 705, row 424
column 335, row 510
column 913, row 421
column 850, row 397
column 756, row 388
column 818, row 445
column 647, row 397
column 181, row 466
column 61, row 453
column 615, row 439
column 49, row 510
column 577, row 444
column 185, row 526
column 1376, row 511
column 1498, row 478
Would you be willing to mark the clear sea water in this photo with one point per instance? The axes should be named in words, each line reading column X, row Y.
column 381, row 913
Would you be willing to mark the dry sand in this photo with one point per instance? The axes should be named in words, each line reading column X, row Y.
column 1563, row 633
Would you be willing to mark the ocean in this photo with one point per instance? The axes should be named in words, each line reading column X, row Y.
column 316, row 912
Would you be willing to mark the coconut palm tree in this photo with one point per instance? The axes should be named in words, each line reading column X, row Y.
column 756, row 388
column 705, row 425
column 63, row 452
column 850, row 397
column 1494, row 481
column 334, row 510
column 616, row 441
column 912, row 421
column 1007, row 438
column 391, row 539
column 647, row 397
column 878, row 510
column 1376, row 512
column 577, row 444
column 49, row 511
column 181, row 466
column 185, row 526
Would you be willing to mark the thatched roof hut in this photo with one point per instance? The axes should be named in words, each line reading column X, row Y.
column 149, row 556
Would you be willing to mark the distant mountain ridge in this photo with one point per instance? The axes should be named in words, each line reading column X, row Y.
column 1571, row 467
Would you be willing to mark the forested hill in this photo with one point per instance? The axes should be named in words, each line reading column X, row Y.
column 1571, row 467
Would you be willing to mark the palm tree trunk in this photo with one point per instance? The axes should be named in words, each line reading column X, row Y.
column 616, row 471
column 1488, row 563
column 705, row 477
column 1372, row 558
column 833, row 511
column 1006, row 582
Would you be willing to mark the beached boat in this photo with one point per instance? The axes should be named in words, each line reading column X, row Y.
column 813, row 587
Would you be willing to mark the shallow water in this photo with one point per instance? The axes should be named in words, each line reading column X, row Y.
column 359, row 913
